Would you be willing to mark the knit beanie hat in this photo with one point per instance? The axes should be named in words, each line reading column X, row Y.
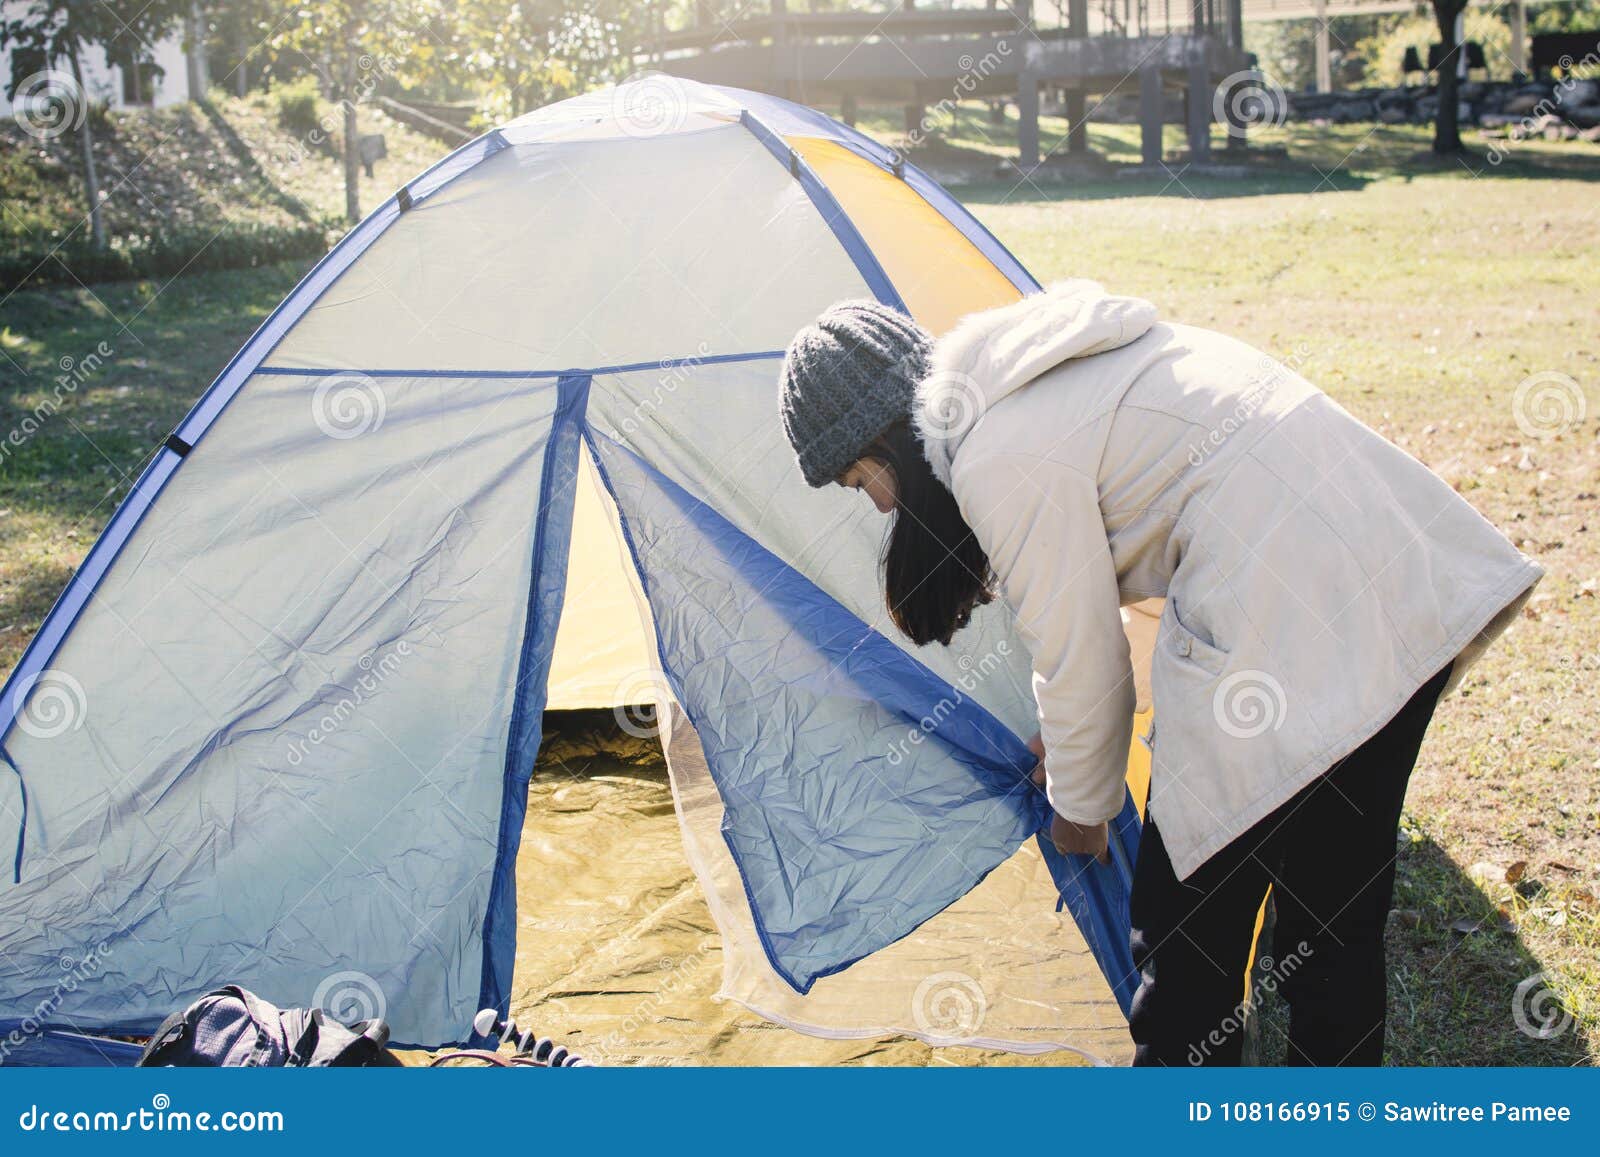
column 847, row 378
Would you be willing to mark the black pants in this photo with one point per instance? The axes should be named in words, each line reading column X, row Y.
column 1329, row 854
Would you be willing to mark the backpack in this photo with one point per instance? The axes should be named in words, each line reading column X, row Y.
column 234, row 1027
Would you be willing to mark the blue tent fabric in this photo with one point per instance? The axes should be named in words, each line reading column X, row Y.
column 840, row 849
column 1097, row 896
column 551, row 540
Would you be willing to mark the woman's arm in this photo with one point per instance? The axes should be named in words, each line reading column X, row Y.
column 1040, row 523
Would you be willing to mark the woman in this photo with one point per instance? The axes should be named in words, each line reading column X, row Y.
column 1323, row 589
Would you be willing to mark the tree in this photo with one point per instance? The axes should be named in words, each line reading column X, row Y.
column 526, row 53
column 353, row 47
column 1383, row 53
column 1447, row 121
column 47, row 40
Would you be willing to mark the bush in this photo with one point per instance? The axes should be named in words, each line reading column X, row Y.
column 298, row 105
column 162, row 255
column 1384, row 52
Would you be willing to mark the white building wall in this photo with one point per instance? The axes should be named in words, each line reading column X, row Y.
column 103, row 82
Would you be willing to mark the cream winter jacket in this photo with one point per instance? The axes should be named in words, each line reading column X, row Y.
column 1315, row 575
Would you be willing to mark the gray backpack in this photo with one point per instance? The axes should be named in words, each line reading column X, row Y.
column 233, row 1027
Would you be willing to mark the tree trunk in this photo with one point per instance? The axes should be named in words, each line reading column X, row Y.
column 1447, row 122
column 243, row 47
column 352, row 142
column 91, row 179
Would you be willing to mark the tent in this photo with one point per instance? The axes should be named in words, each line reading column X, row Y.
column 512, row 446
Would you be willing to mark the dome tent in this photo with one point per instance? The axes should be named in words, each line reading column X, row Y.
column 513, row 445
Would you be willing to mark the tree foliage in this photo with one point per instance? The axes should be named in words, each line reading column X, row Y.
column 47, row 41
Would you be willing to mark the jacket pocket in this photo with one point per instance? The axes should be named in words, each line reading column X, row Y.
column 1192, row 647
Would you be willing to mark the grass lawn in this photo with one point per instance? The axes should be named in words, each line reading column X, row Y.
column 1419, row 295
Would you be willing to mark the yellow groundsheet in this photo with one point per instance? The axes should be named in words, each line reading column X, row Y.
column 617, row 956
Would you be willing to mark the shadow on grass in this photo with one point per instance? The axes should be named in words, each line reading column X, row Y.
column 1297, row 159
column 247, row 160
column 1458, row 973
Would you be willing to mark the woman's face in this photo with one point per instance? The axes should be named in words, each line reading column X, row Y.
column 876, row 478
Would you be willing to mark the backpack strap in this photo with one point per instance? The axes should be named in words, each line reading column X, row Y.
column 170, row 1032
column 326, row 1043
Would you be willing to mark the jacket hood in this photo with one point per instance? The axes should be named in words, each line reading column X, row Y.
column 992, row 354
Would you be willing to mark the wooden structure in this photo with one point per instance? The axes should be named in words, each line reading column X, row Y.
column 926, row 57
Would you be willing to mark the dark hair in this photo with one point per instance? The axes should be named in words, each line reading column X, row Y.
column 934, row 571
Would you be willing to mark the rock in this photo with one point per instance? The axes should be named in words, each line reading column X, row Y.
column 1485, row 872
column 1584, row 116
column 1522, row 104
column 1576, row 93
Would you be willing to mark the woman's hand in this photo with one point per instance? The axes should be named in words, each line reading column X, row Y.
column 1079, row 839
column 1068, row 837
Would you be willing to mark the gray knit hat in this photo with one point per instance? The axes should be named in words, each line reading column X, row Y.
column 847, row 378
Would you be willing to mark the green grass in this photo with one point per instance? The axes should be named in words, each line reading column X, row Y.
column 1419, row 295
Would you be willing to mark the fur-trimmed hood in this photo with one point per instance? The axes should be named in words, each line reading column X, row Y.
column 992, row 354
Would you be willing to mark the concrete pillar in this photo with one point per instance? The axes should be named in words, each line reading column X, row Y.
column 1519, row 36
column 1077, row 99
column 1077, row 110
column 1198, row 107
column 1027, row 120
column 1236, row 23
column 914, row 111
column 847, row 109
column 1238, row 127
column 1150, row 115
column 782, row 59
column 1324, row 50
